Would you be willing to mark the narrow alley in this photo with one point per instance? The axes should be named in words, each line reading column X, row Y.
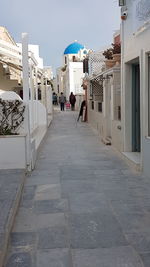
column 82, row 206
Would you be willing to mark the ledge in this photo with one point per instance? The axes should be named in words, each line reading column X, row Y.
column 13, row 135
column 134, row 159
column 12, row 185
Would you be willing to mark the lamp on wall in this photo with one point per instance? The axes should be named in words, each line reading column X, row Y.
column 122, row 2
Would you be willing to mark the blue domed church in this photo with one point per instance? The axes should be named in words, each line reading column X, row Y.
column 73, row 48
column 69, row 76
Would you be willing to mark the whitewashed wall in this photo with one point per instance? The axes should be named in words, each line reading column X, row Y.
column 136, row 45
column 75, row 78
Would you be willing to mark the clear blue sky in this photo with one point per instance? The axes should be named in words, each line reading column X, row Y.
column 55, row 24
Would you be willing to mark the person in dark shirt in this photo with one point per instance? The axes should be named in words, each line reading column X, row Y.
column 62, row 101
column 72, row 100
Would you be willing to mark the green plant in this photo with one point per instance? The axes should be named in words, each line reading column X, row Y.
column 11, row 116
column 108, row 54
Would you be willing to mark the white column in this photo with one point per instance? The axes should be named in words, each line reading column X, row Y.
column 105, row 98
column 31, row 98
column 112, row 97
column 36, row 94
column 36, row 84
column 25, row 65
column 42, row 90
column 26, row 97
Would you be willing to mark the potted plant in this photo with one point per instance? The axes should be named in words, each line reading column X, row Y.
column 116, row 50
column 12, row 141
column 11, row 117
column 108, row 54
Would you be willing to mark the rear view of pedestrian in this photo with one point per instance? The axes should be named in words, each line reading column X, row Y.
column 62, row 101
column 72, row 100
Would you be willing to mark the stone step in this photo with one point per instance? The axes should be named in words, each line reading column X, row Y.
column 11, row 186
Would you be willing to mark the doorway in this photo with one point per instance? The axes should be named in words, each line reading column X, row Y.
column 136, row 127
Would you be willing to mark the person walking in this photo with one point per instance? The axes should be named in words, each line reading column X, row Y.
column 72, row 100
column 62, row 101
column 83, row 105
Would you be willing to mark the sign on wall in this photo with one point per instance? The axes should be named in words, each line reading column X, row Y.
column 141, row 12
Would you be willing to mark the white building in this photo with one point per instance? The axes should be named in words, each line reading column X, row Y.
column 135, row 37
column 69, row 77
column 102, row 87
column 60, row 81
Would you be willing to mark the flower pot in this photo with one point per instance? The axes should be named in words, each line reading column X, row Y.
column 123, row 17
column 13, row 152
column 110, row 63
column 117, row 57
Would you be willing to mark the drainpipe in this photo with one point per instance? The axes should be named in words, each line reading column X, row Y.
column 122, row 86
column 142, row 92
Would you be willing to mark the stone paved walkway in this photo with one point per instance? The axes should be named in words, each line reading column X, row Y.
column 82, row 206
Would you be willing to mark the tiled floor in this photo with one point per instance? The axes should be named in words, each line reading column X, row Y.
column 82, row 206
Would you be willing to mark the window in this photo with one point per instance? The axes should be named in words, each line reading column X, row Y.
column 117, row 102
column 91, row 90
column 85, row 65
column 99, row 107
column 65, row 60
column 74, row 59
column 39, row 94
column 149, row 95
column 119, row 113
column 122, row 2
column 92, row 105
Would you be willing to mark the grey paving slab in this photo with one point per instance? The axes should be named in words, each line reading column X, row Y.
column 11, row 183
column 9, row 172
column 29, row 193
column 48, row 191
column 20, row 260
column 23, row 239
column 108, row 171
column 135, row 222
column 88, row 202
column 146, row 259
column 112, row 257
column 48, row 172
column 54, row 237
column 28, row 203
column 51, row 206
column 140, row 241
column 42, row 180
column 54, row 258
column 28, row 221
column 95, row 230
column 78, row 186
column 78, row 175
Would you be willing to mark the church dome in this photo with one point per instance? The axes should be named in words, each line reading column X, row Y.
column 73, row 48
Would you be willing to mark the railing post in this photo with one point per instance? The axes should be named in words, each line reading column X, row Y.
column 25, row 65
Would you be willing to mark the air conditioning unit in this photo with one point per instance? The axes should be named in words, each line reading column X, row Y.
column 122, row 2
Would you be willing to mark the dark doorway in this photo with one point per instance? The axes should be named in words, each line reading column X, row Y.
column 136, row 129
